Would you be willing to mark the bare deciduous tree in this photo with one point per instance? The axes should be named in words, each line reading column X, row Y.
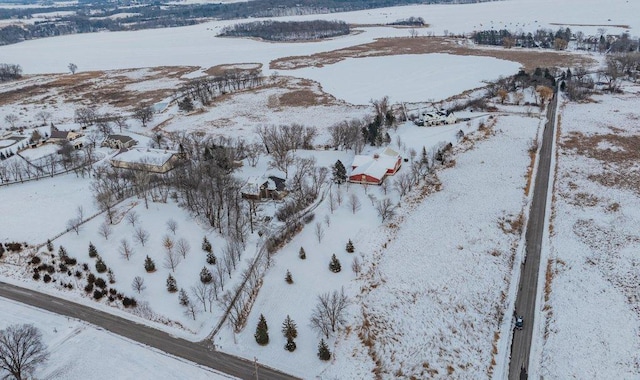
column 385, row 209
column 144, row 114
column 141, row 236
column 125, row 249
column 21, row 350
column 329, row 313
column 172, row 225
column 200, row 292
column 356, row 266
column 183, row 247
column 319, row 232
column 75, row 225
column 172, row 259
column 132, row 218
column 105, row 230
column 138, row 284
column 12, row 119
column 43, row 116
column 354, row 203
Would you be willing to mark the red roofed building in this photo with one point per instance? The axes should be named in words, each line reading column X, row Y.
column 372, row 170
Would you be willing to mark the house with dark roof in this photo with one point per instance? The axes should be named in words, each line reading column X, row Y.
column 260, row 188
column 118, row 142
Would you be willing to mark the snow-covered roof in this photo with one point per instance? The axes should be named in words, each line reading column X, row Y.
column 144, row 155
column 377, row 164
column 374, row 168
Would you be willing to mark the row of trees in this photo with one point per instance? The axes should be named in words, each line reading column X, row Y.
column 9, row 72
column 288, row 30
column 204, row 90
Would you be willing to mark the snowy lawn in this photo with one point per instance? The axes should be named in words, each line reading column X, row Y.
column 80, row 351
column 592, row 308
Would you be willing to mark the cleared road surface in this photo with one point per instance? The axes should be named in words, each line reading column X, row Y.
column 196, row 352
column 527, row 292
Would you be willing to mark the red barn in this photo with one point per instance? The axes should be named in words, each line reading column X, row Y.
column 373, row 169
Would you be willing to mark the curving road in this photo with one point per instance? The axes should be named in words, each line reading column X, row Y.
column 527, row 291
column 198, row 353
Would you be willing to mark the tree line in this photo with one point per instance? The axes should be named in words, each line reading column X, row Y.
column 288, row 31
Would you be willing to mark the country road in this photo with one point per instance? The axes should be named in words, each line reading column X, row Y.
column 527, row 290
column 196, row 352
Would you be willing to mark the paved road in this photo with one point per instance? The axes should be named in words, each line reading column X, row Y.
column 527, row 292
column 195, row 352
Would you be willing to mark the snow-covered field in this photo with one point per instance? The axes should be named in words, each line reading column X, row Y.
column 592, row 313
column 80, row 351
column 197, row 45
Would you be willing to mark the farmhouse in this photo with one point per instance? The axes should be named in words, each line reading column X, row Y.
column 259, row 188
column 58, row 137
column 118, row 142
column 151, row 160
column 374, row 169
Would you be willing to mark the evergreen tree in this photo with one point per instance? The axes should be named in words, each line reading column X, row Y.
column 323, row 351
column 350, row 247
column 288, row 277
column 62, row 253
column 290, row 346
column 211, row 258
column 424, row 158
column 289, row 328
column 172, row 287
column 205, row 275
column 206, row 245
column 111, row 276
column 302, row 254
column 334, row 265
column 101, row 267
column 149, row 265
column 93, row 252
column 49, row 246
column 186, row 104
column 262, row 332
column 183, row 298
column 339, row 172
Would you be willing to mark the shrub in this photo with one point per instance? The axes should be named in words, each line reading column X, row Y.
column 35, row 260
column 149, row 265
column 70, row 261
column 290, row 346
column 89, row 287
column 91, row 278
column 129, row 302
column 302, row 254
column 172, row 286
column 46, row 278
column 49, row 246
column 100, row 282
column 334, row 265
column 350, row 247
column 78, row 274
column 97, row 294
column 211, row 258
column 113, row 292
column 36, row 276
column 85, row 267
column 63, row 268
column 288, row 278
column 323, row 351
column 51, row 269
column 101, row 267
column 93, row 252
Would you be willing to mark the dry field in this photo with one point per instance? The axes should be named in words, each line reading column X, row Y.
column 530, row 59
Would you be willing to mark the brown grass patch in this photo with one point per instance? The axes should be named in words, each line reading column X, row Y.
column 533, row 151
column 221, row 70
column 529, row 59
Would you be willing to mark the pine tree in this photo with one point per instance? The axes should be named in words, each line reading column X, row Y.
column 205, row 275
column 262, row 332
column 111, row 276
column 62, row 253
column 288, row 278
column 183, row 298
column 101, row 267
column 49, row 246
column 172, row 287
column 334, row 265
column 339, row 172
column 206, row 246
column 323, row 351
column 350, row 247
column 93, row 252
column 211, row 258
column 302, row 254
column 290, row 346
column 289, row 328
column 149, row 265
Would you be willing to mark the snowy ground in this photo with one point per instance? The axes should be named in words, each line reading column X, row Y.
column 80, row 351
column 592, row 308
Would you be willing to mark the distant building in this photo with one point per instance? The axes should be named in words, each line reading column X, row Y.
column 118, row 142
column 57, row 136
column 151, row 160
column 372, row 170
